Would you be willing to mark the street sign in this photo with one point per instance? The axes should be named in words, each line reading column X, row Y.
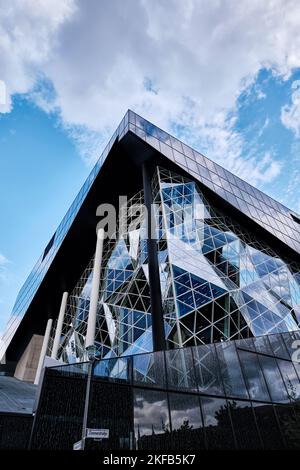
column 77, row 445
column 97, row 433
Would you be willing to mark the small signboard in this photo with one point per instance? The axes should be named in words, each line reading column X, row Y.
column 77, row 445
column 97, row 433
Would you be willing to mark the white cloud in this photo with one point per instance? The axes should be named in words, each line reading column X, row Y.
column 263, row 128
column 4, row 272
column 290, row 114
column 291, row 190
column 28, row 31
column 198, row 56
column 290, row 117
column 3, row 260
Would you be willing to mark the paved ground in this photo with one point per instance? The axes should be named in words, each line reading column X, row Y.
column 16, row 396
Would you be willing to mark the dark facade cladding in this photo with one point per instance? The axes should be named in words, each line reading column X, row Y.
column 135, row 142
column 15, row 430
column 233, row 395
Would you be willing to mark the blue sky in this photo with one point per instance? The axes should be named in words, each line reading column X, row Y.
column 220, row 75
column 40, row 174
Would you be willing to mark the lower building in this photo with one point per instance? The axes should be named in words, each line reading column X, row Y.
column 241, row 394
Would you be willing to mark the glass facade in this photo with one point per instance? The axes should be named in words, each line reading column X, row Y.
column 252, row 406
column 218, row 281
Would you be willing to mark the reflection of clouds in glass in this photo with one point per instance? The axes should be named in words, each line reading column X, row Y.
column 273, row 379
column 185, row 408
column 240, row 260
column 253, row 376
column 150, row 412
column 192, row 415
column 230, row 370
column 211, row 406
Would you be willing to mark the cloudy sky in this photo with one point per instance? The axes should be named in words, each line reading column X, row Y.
column 223, row 75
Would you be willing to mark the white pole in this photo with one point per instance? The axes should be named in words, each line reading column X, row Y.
column 59, row 325
column 91, row 326
column 43, row 351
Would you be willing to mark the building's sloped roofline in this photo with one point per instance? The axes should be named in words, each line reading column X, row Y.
column 258, row 206
column 274, row 217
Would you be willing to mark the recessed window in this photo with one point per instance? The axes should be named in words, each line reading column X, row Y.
column 295, row 218
column 48, row 247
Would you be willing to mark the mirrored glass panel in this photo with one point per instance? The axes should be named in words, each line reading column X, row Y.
column 278, row 346
column 151, row 419
column 288, row 425
column 180, row 369
column 267, row 426
column 217, row 423
column 149, row 369
column 290, row 378
column 253, row 375
column 244, row 425
column 208, row 374
column 231, row 371
column 187, row 426
column 273, row 379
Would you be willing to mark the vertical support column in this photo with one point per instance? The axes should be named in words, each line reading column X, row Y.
column 43, row 351
column 91, row 327
column 59, row 325
column 158, row 334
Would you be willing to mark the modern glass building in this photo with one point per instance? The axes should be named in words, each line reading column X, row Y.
column 218, row 280
column 219, row 277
